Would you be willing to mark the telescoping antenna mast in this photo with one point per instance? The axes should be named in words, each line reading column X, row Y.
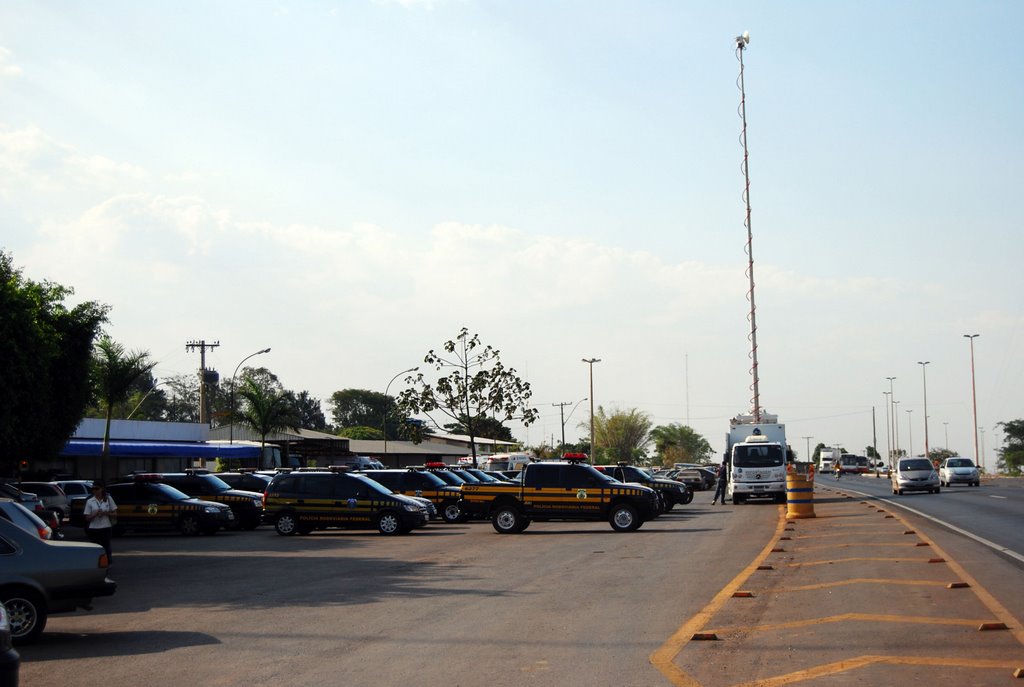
column 741, row 44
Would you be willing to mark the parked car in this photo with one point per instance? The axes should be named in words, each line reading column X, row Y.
column 30, row 501
column 13, row 511
column 76, row 488
column 915, row 474
column 10, row 661
column 53, row 497
column 957, row 470
column 246, row 481
column 39, row 578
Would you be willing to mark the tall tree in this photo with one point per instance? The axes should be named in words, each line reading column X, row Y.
column 311, row 416
column 364, row 408
column 45, row 351
column 1011, row 454
column 474, row 384
column 266, row 409
column 678, row 443
column 115, row 371
column 486, row 427
column 183, row 403
column 620, row 435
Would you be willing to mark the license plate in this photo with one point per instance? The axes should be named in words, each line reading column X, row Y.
column 759, row 486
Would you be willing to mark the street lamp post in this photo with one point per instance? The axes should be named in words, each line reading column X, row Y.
column 892, row 408
column 924, row 381
column 139, row 404
column 231, row 424
column 945, row 427
column 808, row 439
column 974, row 404
column 564, row 419
column 888, row 436
column 910, row 434
column 384, row 422
column 896, row 426
column 590, row 362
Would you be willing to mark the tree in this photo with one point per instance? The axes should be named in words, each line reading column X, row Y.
column 677, row 443
column 45, row 349
column 367, row 433
column 1011, row 454
column 183, row 404
column 364, row 408
column 266, row 409
column 475, row 385
column 115, row 371
column 310, row 414
column 620, row 435
column 486, row 427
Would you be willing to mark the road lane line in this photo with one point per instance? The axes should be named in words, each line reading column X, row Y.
column 861, row 661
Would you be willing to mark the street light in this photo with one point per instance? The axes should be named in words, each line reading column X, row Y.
column 892, row 408
column 974, row 403
column 591, row 361
column 888, row 436
column 896, row 426
column 231, row 425
column 384, row 424
column 945, row 427
column 143, row 400
column 808, row 448
column 924, row 381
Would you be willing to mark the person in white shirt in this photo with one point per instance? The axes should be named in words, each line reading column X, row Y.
column 100, row 514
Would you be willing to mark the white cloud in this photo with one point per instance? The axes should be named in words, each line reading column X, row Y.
column 7, row 67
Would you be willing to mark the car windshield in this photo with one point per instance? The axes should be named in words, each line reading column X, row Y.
column 170, row 492
column 746, row 456
column 216, row 483
column 632, row 474
column 959, row 463
column 916, row 464
column 450, row 478
column 374, row 485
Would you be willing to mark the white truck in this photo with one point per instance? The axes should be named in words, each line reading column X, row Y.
column 828, row 457
column 757, row 454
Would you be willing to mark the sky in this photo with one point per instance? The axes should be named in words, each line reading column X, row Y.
column 351, row 183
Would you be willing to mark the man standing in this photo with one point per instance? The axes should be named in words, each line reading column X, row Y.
column 723, row 474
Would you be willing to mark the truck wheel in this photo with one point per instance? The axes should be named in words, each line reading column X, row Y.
column 736, row 499
column 27, row 613
column 688, row 497
column 623, row 518
column 507, row 520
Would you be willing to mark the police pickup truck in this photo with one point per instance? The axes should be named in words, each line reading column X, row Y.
column 568, row 489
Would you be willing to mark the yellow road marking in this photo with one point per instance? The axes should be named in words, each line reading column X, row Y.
column 862, row 661
column 858, row 558
column 663, row 658
column 858, row 580
column 844, row 617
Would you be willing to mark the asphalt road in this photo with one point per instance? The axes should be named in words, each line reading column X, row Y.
column 561, row 604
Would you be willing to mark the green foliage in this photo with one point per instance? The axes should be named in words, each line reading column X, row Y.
column 364, row 408
column 114, row 372
column 620, row 436
column 485, row 426
column 265, row 407
column 940, row 454
column 369, row 433
column 1011, row 454
column 677, row 443
column 310, row 414
column 45, row 350
column 474, row 387
column 183, row 398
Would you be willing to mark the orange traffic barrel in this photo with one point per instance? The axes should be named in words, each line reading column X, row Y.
column 799, row 494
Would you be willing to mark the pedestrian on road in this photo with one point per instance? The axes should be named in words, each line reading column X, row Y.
column 723, row 473
column 100, row 516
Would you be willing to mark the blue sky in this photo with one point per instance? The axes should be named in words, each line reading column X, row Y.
column 352, row 182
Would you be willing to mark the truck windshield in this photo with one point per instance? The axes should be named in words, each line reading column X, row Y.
column 757, row 456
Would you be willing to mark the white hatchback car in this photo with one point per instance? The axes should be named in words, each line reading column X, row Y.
column 957, row 470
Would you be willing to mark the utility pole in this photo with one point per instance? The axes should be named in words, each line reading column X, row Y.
column 204, row 412
column 561, row 415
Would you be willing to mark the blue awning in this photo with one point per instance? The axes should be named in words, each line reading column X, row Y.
column 160, row 449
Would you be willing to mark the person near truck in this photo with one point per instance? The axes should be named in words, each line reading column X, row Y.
column 723, row 473
column 100, row 514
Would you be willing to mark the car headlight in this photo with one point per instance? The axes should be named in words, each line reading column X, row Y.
column 412, row 507
column 211, row 509
column 257, row 503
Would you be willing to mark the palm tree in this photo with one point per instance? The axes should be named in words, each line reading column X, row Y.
column 115, row 371
column 678, row 443
column 266, row 410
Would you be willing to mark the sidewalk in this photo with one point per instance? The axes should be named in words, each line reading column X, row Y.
column 851, row 596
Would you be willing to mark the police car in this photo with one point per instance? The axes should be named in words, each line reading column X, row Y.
column 411, row 482
column 201, row 484
column 302, row 501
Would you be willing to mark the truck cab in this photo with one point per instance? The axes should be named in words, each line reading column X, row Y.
column 757, row 459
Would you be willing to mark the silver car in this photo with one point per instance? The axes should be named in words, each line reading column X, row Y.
column 956, row 470
column 915, row 474
column 53, row 497
column 13, row 511
column 39, row 577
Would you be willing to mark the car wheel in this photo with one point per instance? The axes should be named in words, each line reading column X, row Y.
column 937, row 490
column 623, row 518
column 188, row 525
column 669, row 505
column 388, row 523
column 977, row 484
column 286, row 524
column 735, row 499
column 507, row 520
column 451, row 512
column 27, row 613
